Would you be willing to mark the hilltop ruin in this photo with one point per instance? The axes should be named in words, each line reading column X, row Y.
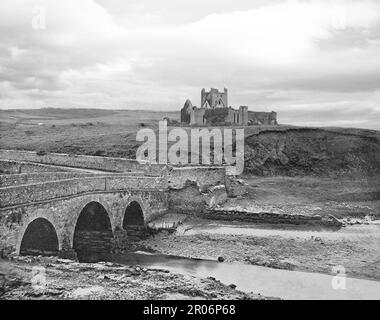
column 214, row 110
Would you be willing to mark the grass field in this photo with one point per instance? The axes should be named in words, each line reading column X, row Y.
column 83, row 131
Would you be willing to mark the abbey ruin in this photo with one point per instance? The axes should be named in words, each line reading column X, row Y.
column 214, row 110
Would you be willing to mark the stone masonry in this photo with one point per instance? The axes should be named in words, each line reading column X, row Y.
column 214, row 110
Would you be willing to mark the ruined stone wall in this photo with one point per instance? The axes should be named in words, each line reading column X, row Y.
column 197, row 116
column 191, row 200
column 214, row 98
column 186, row 111
column 257, row 118
column 231, row 116
column 219, row 116
column 269, row 217
column 204, row 177
column 243, row 115
column 192, row 189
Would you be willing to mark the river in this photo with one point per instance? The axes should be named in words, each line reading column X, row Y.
column 284, row 284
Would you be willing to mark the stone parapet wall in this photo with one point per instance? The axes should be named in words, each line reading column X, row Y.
column 8, row 180
column 11, row 196
column 81, row 161
column 36, row 192
column 14, row 167
column 126, row 183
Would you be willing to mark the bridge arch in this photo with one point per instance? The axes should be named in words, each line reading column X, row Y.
column 133, row 214
column 39, row 238
column 134, row 220
column 93, row 234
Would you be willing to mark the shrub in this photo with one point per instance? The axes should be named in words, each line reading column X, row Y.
column 41, row 153
column 99, row 153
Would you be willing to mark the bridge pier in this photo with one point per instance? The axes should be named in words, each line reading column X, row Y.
column 68, row 254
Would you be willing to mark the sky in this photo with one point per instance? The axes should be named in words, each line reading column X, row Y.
column 314, row 62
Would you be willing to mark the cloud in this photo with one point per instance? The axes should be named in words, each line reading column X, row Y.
column 138, row 54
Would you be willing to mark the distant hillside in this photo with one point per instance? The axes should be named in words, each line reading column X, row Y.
column 62, row 114
column 53, row 113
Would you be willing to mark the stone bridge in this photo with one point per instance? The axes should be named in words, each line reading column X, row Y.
column 82, row 213
column 51, row 205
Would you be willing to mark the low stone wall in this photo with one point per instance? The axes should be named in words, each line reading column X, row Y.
column 8, row 180
column 193, row 189
column 82, row 161
column 259, row 118
column 15, row 167
column 11, row 196
column 269, row 217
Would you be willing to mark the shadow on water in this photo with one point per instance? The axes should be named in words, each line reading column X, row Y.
column 267, row 281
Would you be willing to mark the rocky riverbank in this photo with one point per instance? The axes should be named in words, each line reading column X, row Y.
column 52, row 278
